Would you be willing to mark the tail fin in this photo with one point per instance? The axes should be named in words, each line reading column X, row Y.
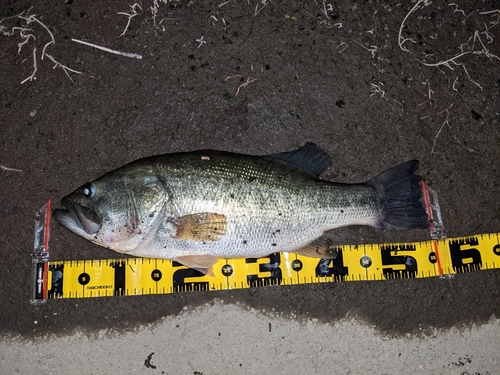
column 400, row 190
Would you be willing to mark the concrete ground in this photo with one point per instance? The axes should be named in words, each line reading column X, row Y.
column 220, row 338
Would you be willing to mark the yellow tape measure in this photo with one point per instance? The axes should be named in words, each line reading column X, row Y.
column 140, row 276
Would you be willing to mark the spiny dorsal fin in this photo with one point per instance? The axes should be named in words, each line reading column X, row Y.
column 202, row 227
column 309, row 157
column 321, row 247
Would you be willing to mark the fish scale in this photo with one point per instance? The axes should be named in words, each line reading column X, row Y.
column 198, row 206
column 297, row 204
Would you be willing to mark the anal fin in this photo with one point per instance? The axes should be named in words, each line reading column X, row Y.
column 203, row 263
column 321, row 247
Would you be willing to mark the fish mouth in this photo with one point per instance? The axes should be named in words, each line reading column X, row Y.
column 78, row 218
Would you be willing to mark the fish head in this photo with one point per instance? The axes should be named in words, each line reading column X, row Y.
column 116, row 211
column 81, row 215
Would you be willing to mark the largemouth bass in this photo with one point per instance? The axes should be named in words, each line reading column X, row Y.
column 195, row 207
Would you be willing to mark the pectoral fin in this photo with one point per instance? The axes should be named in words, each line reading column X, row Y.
column 202, row 227
column 203, row 263
column 321, row 247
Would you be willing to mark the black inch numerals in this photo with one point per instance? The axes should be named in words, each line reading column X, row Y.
column 180, row 276
column 459, row 256
column 273, row 267
column 333, row 267
column 56, row 289
column 119, row 268
column 409, row 262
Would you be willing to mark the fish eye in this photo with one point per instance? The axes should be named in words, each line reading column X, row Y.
column 88, row 190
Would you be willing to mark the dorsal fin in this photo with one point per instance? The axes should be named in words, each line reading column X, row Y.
column 309, row 157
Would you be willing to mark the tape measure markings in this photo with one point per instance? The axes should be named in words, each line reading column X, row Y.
column 142, row 276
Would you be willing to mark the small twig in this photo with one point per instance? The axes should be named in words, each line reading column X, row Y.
column 26, row 38
column 245, row 84
column 8, row 18
column 257, row 10
column 126, row 54
column 64, row 67
column 468, row 76
column 231, row 77
column 430, row 92
column 33, row 18
column 447, row 110
column 402, row 40
column 324, row 9
column 13, row 30
column 376, row 89
column 154, row 11
column 372, row 50
column 470, row 14
column 26, row 34
column 201, row 41
column 130, row 16
column 485, row 50
column 4, row 168
column 457, row 9
column 32, row 76
column 425, row 102
column 342, row 46
column 447, row 62
column 491, row 11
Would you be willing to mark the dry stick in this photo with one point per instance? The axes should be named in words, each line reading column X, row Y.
column 468, row 76
column 442, row 126
column 372, row 50
column 126, row 54
column 446, row 62
column 8, row 18
column 64, row 67
column 400, row 43
column 245, row 84
column 231, row 77
column 323, row 10
column 26, row 40
column 154, row 11
column 375, row 89
column 485, row 50
column 452, row 60
column 13, row 30
column 4, row 168
column 32, row 76
column 429, row 87
column 130, row 16
column 457, row 9
column 32, row 18
column 257, row 10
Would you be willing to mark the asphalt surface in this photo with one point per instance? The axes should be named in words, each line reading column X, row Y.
column 256, row 78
